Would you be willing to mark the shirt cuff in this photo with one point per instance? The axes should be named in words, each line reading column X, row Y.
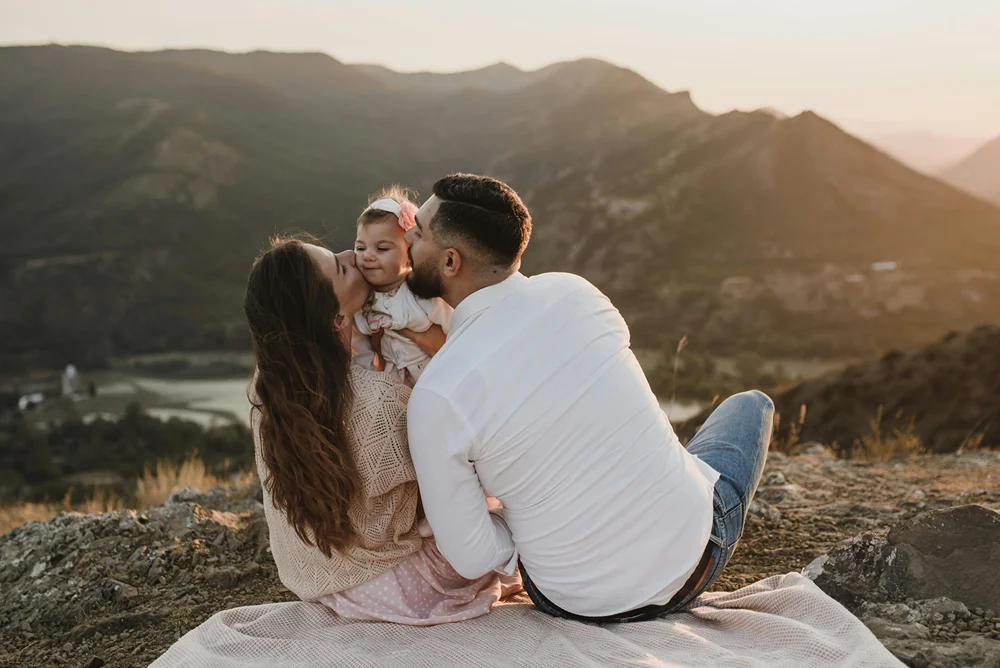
column 509, row 567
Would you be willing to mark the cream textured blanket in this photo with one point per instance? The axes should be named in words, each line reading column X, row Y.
column 781, row 622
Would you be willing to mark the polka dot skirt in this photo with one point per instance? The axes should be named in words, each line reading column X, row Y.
column 423, row 590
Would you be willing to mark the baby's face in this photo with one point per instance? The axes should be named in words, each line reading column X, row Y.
column 381, row 253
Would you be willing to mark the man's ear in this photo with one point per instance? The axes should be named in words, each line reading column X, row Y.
column 452, row 262
column 340, row 321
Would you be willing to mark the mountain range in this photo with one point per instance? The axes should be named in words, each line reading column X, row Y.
column 979, row 173
column 135, row 189
column 925, row 152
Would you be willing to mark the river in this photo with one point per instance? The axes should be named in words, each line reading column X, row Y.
column 218, row 401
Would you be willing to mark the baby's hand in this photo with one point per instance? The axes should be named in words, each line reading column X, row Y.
column 425, row 529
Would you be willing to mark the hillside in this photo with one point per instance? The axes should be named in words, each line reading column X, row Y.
column 943, row 394
column 771, row 228
column 979, row 173
column 134, row 194
column 135, row 188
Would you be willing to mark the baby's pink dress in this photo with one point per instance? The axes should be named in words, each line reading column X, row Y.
column 423, row 590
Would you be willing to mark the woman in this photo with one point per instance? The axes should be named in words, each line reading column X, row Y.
column 340, row 493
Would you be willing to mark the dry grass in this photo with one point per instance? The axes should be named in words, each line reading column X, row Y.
column 152, row 489
column 792, row 439
column 15, row 516
column 878, row 447
column 972, row 444
column 681, row 345
column 875, row 446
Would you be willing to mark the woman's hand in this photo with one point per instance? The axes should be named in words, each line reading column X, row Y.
column 429, row 342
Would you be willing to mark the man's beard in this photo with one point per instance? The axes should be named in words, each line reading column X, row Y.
column 425, row 280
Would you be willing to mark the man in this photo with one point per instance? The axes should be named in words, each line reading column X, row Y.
column 537, row 398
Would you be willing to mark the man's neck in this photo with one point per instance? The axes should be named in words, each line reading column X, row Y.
column 457, row 294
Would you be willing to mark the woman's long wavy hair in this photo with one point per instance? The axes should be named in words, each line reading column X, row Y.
column 302, row 393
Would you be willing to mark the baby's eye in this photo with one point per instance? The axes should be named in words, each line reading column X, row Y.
column 383, row 249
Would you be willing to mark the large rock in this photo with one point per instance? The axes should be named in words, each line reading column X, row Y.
column 970, row 652
column 857, row 571
column 952, row 553
column 929, row 590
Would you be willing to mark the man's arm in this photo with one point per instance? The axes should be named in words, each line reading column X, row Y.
column 429, row 341
column 472, row 539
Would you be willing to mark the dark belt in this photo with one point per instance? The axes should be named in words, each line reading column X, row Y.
column 697, row 579
column 701, row 573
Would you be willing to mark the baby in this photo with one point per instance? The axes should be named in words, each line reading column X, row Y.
column 383, row 258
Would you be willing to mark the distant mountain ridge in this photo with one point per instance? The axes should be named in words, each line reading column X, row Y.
column 924, row 151
column 498, row 77
column 979, row 173
column 301, row 76
column 136, row 187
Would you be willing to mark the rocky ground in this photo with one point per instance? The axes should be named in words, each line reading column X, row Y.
column 119, row 588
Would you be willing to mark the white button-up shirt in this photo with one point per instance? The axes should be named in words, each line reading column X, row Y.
column 537, row 398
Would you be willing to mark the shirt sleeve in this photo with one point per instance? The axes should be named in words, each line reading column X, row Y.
column 438, row 311
column 474, row 540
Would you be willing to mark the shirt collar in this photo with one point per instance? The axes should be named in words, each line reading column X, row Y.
column 482, row 299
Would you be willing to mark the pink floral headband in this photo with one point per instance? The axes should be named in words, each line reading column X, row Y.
column 405, row 212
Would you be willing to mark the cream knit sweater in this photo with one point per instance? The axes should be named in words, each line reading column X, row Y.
column 384, row 516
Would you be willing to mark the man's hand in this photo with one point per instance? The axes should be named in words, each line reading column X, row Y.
column 429, row 342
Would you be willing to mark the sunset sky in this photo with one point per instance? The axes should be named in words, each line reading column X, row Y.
column 925, row 65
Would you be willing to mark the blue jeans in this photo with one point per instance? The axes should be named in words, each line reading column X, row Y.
column 734, row 442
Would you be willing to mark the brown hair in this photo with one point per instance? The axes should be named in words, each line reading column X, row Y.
column 303, row 393
column 485, row 212
column 395, row 192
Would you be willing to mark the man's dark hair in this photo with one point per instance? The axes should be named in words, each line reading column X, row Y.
column 484, row 212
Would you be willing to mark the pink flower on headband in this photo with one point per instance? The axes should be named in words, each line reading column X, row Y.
column 405, row 211
column 407, row 215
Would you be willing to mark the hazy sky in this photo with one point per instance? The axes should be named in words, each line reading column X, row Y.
column 893, row 64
